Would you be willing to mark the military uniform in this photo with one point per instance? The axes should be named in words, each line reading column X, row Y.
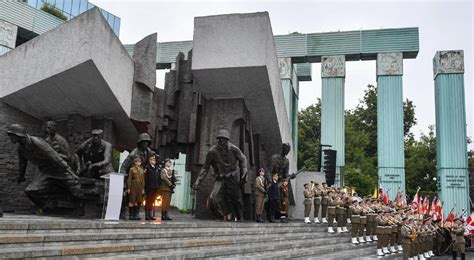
column 308, row 195
column 317, row 202
column 407, row 235
column 166, row 190
column 355, row 221
column 331, row 213
column 340, row 214
column 457, row 234
column 284, row 203
column 136, row 186
column 99, row 154
column 324, row 205
column 260, row 192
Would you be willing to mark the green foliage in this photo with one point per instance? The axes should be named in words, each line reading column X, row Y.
column 185, row 211
column 49, row 8
column 360, row 138
column 309, row 135
column 116, row 160
column 420, row 164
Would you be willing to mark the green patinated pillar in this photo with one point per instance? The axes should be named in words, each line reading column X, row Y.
column 451, row 140
column 333, row 72
column 390, row 137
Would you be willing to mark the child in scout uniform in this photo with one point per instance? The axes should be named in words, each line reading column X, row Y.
column 136, row 186
column 260, row 193
column 308, row 195
column 166, row 188
column 152, row 185
column 284, row 201
column 273, row 197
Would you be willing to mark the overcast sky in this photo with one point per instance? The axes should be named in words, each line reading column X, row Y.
column 443, row 25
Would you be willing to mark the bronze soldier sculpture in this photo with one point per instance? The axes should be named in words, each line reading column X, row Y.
column 57, row 142
column 226, row 196
column 56, row 178
column 95, row 156
column 142, row 150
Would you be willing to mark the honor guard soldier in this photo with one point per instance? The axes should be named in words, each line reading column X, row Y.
column 407, row 237
column 260, row 193
column 136, row 186
column 308, row 195
column 457, row 234
column 317, row 201
column 340, row 214
column 355, row 220
column 166, row 188
column 331, row 211
column 324, row 203
column 152, row 185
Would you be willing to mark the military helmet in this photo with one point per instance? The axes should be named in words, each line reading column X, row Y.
column 16, row 129
column 97, row 131
column 144, row 137
column 223, row 134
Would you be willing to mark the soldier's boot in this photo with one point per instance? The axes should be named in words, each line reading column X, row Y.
column 393, row 249
column 361, row 240
column 339, row 230
column 345, row 230
column 415, row 257
column 166, row 216
column 348, row 221
column 421, row 257
column 150, row 215
column 147, row 217
column 431, row 253
column 307, row 221
column 330, row 230
column 385, row 250
column 400, row 248
column 316, row 220
column 136, row 214
column 354, row 241
column 325, row 220
column 257, row 219
column 368, row 239
column 375, row 238
column 410, row 258
column 380, row 252
column 463, row 256
column 261, row 219
column 130, row 213
column 426, row 255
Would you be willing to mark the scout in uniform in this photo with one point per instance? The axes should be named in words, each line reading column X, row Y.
column 260, row 193
column 136, row 186
column 308, row 195
column 166, row 189
column 284, row 201
column 317, row 201
column 324, row 203
column 331, row 207
column 273, row 197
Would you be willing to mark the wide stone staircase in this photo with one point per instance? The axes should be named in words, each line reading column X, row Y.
column 24, row 236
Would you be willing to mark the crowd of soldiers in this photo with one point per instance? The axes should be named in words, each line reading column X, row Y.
column 394, row 227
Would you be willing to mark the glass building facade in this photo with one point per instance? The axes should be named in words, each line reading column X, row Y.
column 72, row 8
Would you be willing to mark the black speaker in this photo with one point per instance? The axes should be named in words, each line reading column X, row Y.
column 329, row 165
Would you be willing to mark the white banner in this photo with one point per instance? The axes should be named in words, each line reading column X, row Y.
column 114, row 201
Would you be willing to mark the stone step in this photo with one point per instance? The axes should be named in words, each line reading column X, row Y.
column 322, row 250
column 236, row 252
column 35, row 240
column 162, row 247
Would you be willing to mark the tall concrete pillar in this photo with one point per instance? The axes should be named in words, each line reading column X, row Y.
column 8, row 34
column 390, row 143
column 451, row 142
column 333, row 73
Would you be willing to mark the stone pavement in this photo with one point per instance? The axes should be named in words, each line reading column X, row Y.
column 30, row 236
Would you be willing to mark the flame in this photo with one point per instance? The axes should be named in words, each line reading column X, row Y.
column 157, row 203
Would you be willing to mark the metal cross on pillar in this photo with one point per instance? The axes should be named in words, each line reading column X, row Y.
column 451, row 142
column 390, row 143
column 333, row 73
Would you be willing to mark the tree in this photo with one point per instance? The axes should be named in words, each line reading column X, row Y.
column 309, row 134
